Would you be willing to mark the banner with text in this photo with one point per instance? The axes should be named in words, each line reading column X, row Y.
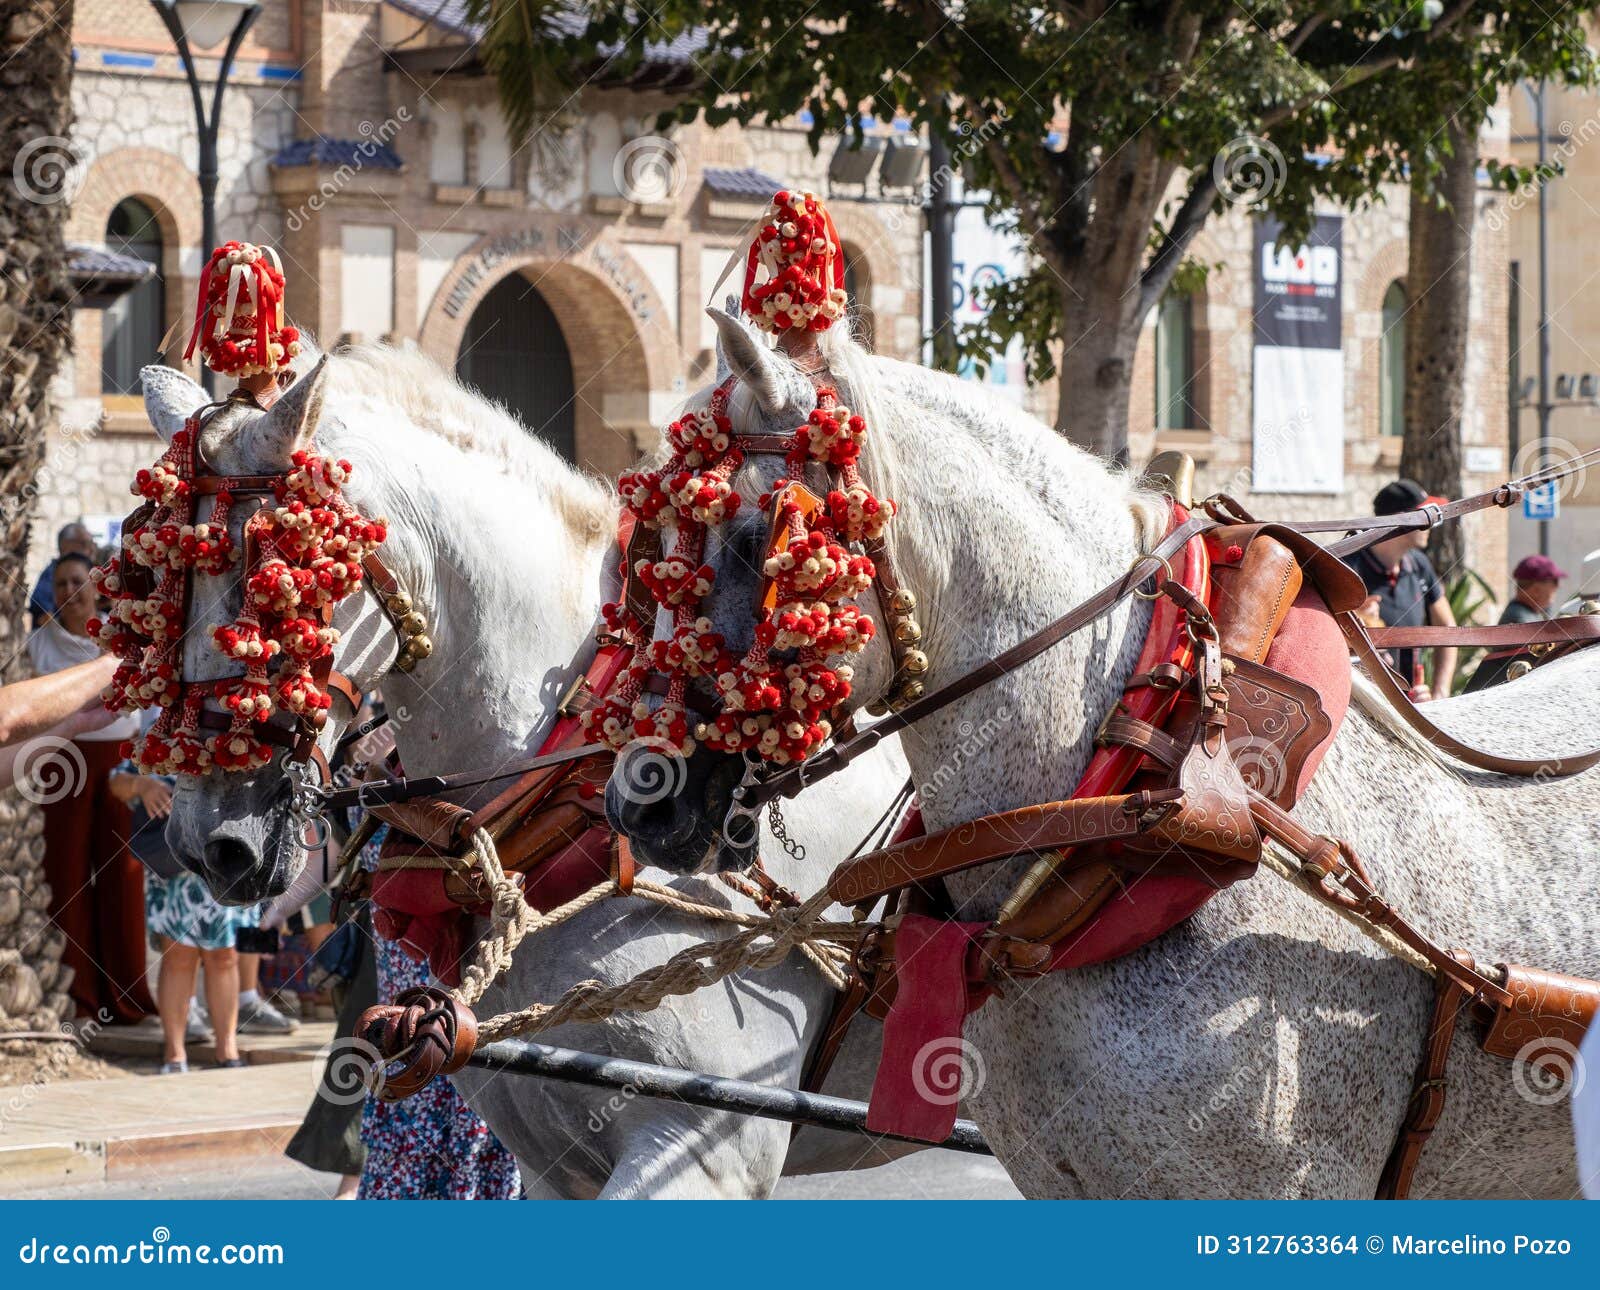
column 1297, row 424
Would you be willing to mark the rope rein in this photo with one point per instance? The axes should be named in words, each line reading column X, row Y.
column 512, row 920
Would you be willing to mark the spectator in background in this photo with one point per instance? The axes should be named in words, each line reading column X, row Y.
column 1537, row 579
column 96, row 883
column 1404, row 591
column 73, row 539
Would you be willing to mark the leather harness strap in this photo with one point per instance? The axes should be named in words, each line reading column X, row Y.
column 1577, row 629
column 1029, row 830
column 1356, row 634
column 793, row 780
column 1428, row 1089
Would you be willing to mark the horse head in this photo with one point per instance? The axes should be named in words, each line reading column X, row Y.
column 235, row 828
column 670, row 805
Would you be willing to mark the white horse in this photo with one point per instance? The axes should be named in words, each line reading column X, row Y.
column 507, row 550
column 1263, row 1048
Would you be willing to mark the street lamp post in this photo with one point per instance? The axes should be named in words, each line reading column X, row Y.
column 1544, row 302
column 203, row 25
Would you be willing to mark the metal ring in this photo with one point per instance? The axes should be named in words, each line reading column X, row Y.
column 320, row 835
column 1166, row 566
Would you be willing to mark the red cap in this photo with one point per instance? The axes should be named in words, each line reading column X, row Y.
column 1538, row 568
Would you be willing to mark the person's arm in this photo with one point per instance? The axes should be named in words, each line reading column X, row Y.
column 29, row 708
column 309, row 883
column 1444, row 656
column 129, row 786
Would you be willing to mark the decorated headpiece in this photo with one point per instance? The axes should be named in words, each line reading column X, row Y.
column 238, row 318
column 781, row 709
column 305, row 555
column 799, row 249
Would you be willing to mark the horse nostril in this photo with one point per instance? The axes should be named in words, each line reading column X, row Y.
column 660, row 820
column 228, row 865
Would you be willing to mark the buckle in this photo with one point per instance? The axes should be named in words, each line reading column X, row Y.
column 565, row 708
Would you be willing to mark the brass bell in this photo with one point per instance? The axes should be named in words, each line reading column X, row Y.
column 1518, row 669
column 1589, row 605
column 413, row 624
column 400, row 603
column 878, row 708
column 915, row 663
column 910, row 692
column 420, row 645
column 902, row 601
column 907, row 632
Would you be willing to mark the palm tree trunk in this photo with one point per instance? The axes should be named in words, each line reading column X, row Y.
column 1438, row 282
column 35, row 332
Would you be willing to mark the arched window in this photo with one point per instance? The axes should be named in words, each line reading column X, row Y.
column 1392, row 362
column 130, row 330
column 1175, row 374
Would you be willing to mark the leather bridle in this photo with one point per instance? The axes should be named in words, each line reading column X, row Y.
column 299, row 737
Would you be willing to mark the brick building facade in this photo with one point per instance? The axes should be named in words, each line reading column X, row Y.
column 361, row 139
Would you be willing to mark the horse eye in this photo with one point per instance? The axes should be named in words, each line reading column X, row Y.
column 749, row 544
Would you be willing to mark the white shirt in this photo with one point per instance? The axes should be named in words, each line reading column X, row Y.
column 52, row 648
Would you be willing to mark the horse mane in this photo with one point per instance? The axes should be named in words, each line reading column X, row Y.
column 1038, row 452
column 431, row 398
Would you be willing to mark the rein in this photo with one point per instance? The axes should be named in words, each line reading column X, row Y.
column 753, row 794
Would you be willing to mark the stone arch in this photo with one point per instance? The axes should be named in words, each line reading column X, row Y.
column 617, row 331
column 162, row 182
column 1386, row 265
column 871, row 246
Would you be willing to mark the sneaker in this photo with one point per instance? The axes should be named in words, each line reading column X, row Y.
column 261, row 1018
column 174, row 1068
column 198, row 1030
column 231, row 1064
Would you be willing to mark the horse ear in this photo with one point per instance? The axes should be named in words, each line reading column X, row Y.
column 289, row 424
column 741, row 352
column 731, row 307
column 170, row 398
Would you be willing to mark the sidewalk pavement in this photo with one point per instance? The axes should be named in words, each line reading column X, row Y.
column 85, row 1131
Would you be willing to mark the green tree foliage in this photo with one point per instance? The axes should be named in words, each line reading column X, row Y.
column 1107, row 133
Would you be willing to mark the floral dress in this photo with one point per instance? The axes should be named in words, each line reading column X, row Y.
column 430, row 1146
column 182, row 910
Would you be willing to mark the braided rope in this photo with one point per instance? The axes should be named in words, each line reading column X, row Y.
column 689, row 970
column 1381, row 936
column 827, row 958
column 512, row 919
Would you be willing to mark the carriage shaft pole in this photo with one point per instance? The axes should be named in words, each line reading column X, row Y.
column 713, row 1092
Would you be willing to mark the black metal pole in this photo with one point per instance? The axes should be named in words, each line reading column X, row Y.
column 941, row 216
column 643, row 1079
column 1544, row 303
column 207, row 128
